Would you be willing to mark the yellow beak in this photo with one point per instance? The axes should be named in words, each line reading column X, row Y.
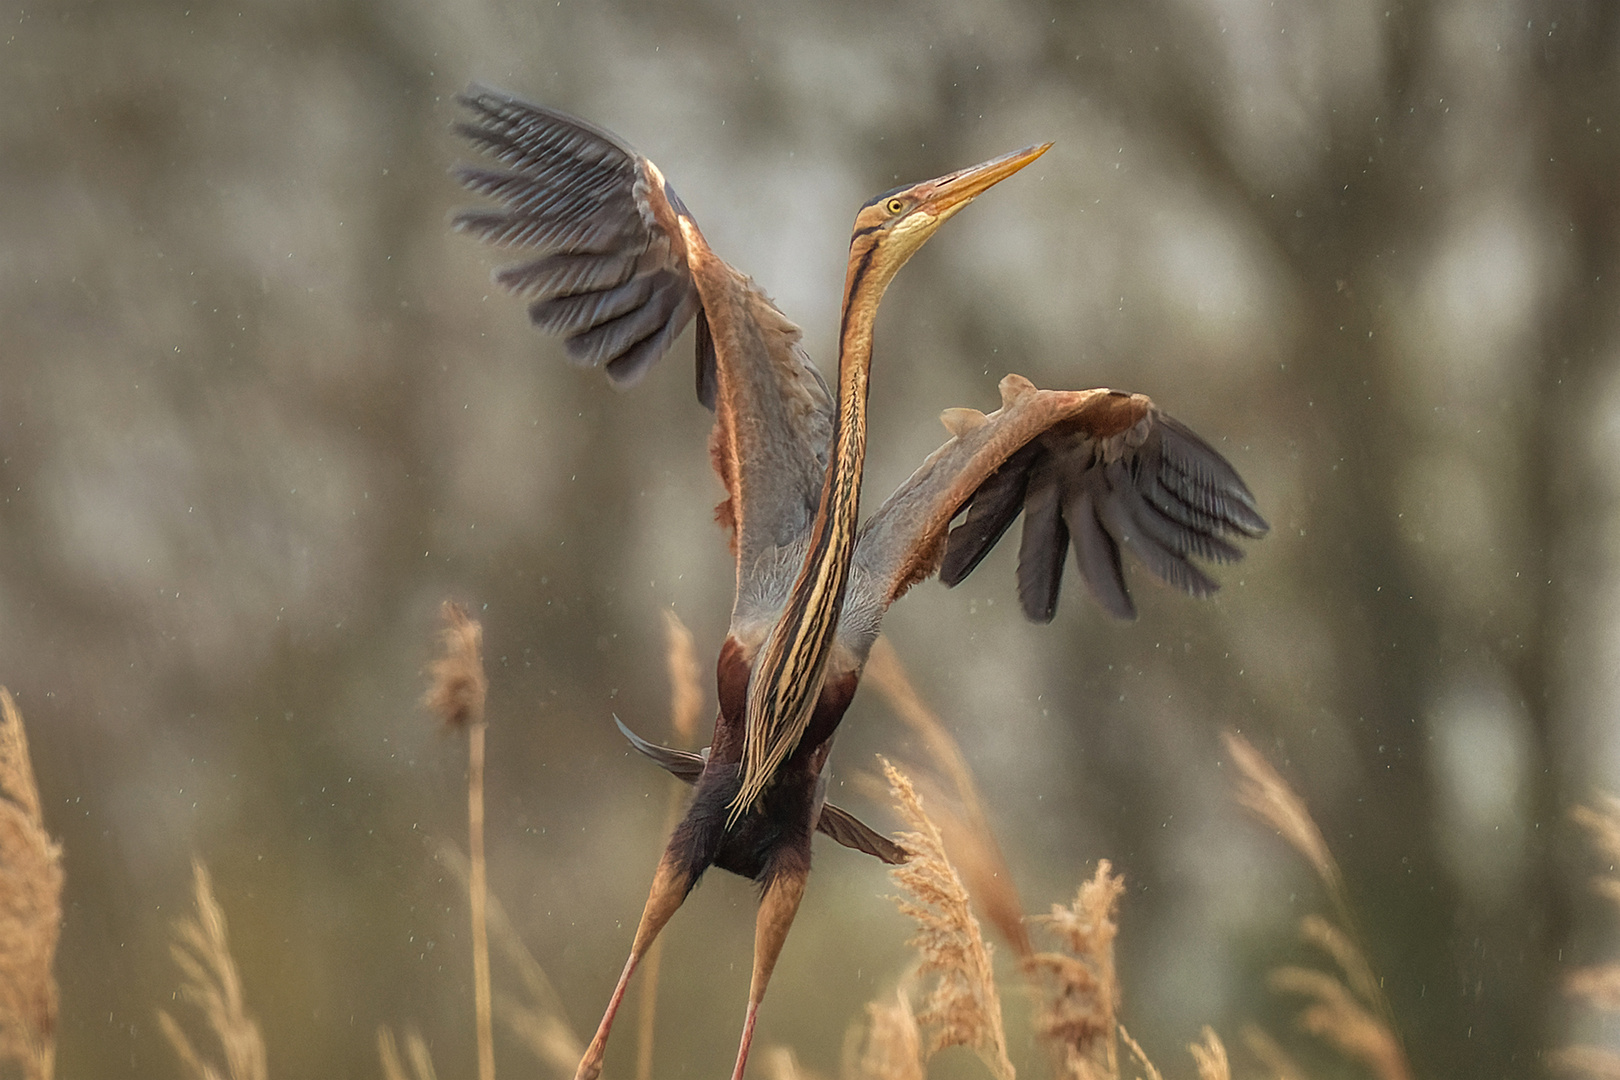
column 947, row 194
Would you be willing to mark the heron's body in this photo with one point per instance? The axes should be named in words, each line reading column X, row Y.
column 619, row 267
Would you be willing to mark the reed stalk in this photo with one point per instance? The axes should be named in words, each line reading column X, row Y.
column 458, row 694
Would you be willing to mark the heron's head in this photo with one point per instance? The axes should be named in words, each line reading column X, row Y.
column 890, row 228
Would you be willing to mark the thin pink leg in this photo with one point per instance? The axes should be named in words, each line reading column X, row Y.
column 590, row 1066
column 747, row 1038
column 668, row 891
column 776, row 911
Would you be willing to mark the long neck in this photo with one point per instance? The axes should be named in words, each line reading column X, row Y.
column 817, row 598
column 788, row 676
column 832, row 534
column 805, row 630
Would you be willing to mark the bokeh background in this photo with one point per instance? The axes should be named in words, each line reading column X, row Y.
column 260, row 411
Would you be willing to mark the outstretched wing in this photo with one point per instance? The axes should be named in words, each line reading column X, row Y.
column 1102, row 470
column 605, row 265
column 609, row 265
column 835, row 821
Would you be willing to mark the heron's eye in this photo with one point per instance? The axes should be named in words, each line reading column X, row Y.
column 895, row 206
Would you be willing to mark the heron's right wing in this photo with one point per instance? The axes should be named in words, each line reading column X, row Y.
column 615, row 264
column 595, row 222
column 1104, row 469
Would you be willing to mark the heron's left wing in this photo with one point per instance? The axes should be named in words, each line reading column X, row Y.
column 1100, row 468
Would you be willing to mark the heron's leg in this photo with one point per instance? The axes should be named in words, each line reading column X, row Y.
column 670, row 885
column 777, row 907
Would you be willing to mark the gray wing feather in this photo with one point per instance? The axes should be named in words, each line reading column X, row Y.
column 996, row 505
column 1042, row 547
column 1095, row 551
column 605, row 263
column 566, row 275
column 609, row 277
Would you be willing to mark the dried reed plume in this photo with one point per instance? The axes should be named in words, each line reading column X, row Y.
column 30, row 907
column 393, row 1068
column 1080, row 1017
column 964, row 1007
column 459, row 687
column 781, row 1063
column 1602, row 825
column 1350, row 1013
column 685, row 678
column 1139, row 1054
column 969, row 839
column 1270, row 1054
column 1338, row 1017
column 892, row 1047
column 457, row 695
column 1210, row 1056
column 1598, row 987
column 1264, row 793
column 201, row 950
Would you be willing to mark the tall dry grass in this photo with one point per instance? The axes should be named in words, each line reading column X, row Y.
column 1598, row 986
column 1077, row 1016
column 416, row 1052
column 534, row 1015
column 1346, row 1008
column 211, row 983
column 891, row 1047
column 950, row 999
column 458, row 694
column 30, row 907
column 962, row 1006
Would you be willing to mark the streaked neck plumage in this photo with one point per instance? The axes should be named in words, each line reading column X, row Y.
column 793, row 664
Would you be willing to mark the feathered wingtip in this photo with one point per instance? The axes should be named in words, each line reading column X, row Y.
column 527, row 136
column 605, row 272
column 1205, row 484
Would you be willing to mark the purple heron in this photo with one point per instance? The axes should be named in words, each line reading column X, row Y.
column 615, row 263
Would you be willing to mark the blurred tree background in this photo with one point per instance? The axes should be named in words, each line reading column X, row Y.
column 260, row 411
